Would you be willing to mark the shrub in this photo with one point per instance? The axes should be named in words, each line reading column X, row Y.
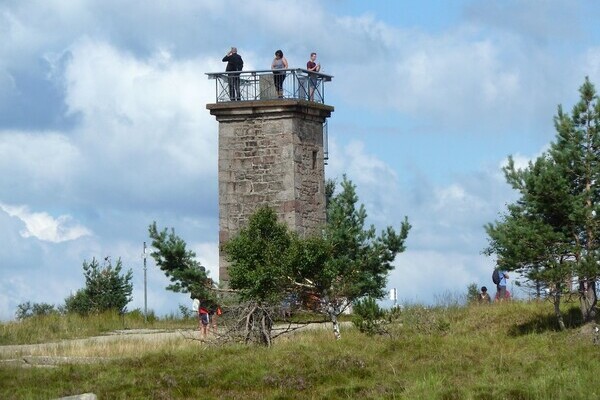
column 105, row 289
column 369, row 318
column 472, row 293
column 28, row 309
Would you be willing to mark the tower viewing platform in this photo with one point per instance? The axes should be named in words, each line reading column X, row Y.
column 272, row 149
column 268, row 84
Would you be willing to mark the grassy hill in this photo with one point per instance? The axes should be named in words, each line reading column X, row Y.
column 505, row 351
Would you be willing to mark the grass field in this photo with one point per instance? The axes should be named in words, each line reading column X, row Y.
column 72, row 326
column 506, row 351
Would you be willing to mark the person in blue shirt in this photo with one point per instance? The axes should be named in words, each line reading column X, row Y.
column 501, row 293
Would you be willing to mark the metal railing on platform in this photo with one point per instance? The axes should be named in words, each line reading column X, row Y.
column 270, row 84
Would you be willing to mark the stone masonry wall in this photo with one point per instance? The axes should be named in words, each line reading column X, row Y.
column 273, row 159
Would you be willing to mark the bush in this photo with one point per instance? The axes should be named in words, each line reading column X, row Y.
column 78, row 303
column 369, row 318
column 105, row 289
column 28, row 309
column 426, row 320
column 138, row 315
column 472, row 293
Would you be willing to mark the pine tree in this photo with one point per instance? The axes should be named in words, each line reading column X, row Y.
column 257, row 256
column 106, row 288
column 347, row 262
column 180, row 265
column 551, row 233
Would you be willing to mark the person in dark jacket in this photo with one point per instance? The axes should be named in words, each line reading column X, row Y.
column 484, row 297
column 234, row 63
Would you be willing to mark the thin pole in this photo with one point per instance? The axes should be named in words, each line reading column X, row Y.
column 145, row 292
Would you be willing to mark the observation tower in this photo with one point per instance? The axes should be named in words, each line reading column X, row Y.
column 272, row 150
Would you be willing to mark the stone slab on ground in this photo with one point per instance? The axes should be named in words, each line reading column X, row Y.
column 84, row 396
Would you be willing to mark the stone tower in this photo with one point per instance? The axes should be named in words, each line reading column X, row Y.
column 271, row 152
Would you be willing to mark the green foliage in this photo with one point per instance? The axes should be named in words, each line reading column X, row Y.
column 137, row 315
column 79, row 303
column 472, row 293
column 258, row 256
column 346, row 262
column 330, row 185
column 369, row 318
column 179, row 264
column 186, row 312
column 552, row 232
column 360, row 261
column 427, row 320
column 105, row 289
column 28, row 310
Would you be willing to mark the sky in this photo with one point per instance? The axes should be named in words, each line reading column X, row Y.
column 104, row 127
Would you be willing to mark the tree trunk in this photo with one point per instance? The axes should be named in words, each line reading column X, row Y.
column 332, row 312
column 266, row 325
column 587, row 299
column 556, row 302
column 258, row 326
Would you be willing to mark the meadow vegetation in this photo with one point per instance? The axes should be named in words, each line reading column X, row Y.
column 513, row 350
column 57, row 326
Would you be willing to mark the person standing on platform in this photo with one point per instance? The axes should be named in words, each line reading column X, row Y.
column 312, row 66
column 279, row 62
column 234, row 64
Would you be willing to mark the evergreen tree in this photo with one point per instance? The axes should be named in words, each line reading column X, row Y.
column 360, row 260
column 347, row 262
column 105, row 289
column 257, row 256
column 180, row 265
column 551, row 233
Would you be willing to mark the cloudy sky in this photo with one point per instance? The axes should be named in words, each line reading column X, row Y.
column 103, row 125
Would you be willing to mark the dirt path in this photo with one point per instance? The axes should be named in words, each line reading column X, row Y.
column 11, row 352
column 50, row 354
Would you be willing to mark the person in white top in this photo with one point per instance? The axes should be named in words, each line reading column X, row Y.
column 196, row 308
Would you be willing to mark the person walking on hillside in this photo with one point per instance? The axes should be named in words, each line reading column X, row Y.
column 204, row 319
column 279, row 62
column 501, row 293
column 234, row 64
column 214, row 313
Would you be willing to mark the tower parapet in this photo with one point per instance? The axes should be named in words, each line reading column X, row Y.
column 299, row 84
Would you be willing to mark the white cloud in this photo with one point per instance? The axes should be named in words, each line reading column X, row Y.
column 11, row 289
column 208, row 255
column 538, row 21
column 363, row 167
column 522, row 161
column 44, row 227
column 454, row 78
column 145, row 116
column 44, row 160
column 423, row 275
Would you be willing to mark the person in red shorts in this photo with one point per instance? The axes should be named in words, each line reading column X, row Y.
column 204, row 318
